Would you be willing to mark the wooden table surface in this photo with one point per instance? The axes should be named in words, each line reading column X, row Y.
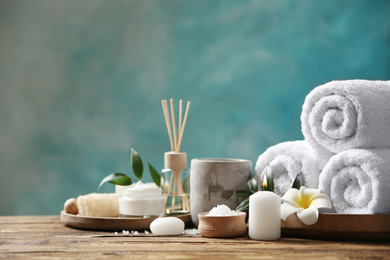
column 46, row 237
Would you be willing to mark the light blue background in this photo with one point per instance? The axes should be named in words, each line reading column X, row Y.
column 81, row 82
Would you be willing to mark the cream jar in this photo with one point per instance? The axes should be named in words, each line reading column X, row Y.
column 141, row 200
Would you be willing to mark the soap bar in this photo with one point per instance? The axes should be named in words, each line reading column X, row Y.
column 167, row 226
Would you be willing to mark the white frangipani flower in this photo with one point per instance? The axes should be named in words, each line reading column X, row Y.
column 305, row 202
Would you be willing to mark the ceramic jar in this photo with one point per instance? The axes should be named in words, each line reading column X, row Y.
column 213, row 180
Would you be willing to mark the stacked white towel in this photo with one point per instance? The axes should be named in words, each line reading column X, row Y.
column 342, row 115
column 358, row 181
column 337, row 118
column 287, row 160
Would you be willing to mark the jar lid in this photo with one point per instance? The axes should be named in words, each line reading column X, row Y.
column 175, row 160
column 142, row 190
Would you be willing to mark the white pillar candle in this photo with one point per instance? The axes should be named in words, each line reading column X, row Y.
column 264, row 216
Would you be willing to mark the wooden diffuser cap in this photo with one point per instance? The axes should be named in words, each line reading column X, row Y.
column 175, row 160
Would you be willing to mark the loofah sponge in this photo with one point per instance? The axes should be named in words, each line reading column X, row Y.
column 98, row 205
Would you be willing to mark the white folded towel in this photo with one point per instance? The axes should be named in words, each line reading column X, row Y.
column 342, row 115
column 287, row 160
column 358, row 181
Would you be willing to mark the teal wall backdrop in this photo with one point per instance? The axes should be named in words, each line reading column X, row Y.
column 81, row 82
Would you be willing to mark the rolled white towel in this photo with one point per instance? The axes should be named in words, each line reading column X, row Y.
column 358, row 181
column 287, row 160
column 342, row 115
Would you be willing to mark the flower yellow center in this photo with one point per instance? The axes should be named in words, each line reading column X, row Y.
column 304, row 201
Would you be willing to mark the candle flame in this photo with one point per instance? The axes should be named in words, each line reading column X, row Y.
column 265, row 182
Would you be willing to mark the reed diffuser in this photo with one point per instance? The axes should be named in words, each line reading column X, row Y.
column 175, row 177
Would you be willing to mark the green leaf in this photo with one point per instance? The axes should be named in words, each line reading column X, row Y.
column 270, row 180
column 238, row 193
column 136, row 163
column 117, row 178
column 228, row 197
column 244, row 205
column 243, row 193
column 252, row 183
column 155, row 175
column 297, row 182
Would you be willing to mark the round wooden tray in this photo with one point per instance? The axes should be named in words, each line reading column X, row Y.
column 113, row 224
column 340, row 226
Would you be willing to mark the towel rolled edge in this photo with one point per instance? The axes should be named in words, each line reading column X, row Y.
column 372, row 108
column 287, row 160
column 354, row 166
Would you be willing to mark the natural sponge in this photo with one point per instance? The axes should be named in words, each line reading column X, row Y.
column 98, row 205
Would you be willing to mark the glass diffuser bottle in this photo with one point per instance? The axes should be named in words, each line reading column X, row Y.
column 175, row 182
column 175, row 177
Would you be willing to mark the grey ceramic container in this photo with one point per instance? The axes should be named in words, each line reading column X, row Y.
column 213, row 180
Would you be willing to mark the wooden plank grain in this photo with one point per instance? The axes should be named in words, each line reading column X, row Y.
column 29, row 219
column 195, row 246
column 209, row 252
column 45, row 237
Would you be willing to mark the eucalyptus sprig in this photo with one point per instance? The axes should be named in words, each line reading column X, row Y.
column 119, row 178
column 298, row 182
column 253, row 187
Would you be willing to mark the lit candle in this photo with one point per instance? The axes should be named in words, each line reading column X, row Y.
column 264, row 216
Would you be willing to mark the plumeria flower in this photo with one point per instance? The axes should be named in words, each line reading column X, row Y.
column 305, row 202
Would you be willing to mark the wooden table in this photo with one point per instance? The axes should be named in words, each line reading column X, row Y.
column 44, row 237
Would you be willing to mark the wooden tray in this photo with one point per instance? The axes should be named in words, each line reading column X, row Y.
column 340, row 227
column 113, row 224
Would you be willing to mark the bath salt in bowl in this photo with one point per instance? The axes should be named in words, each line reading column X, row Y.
column 222, row 222
column 221, row 210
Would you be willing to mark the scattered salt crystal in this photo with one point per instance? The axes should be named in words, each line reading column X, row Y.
column 221, row 210
column 146, row 232
column 116, row 233
column 135, row 232
column 132, row 231
column 193, row 231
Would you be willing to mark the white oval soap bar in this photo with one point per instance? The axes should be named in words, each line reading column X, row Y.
column 167, row 226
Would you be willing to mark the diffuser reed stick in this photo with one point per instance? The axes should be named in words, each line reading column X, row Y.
column 183, row 126
column 168, row 122
column 176, row 141
column 175, row 133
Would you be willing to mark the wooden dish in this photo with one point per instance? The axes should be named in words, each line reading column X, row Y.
column 222, row 226
column 114, row 223
column 340, row 227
